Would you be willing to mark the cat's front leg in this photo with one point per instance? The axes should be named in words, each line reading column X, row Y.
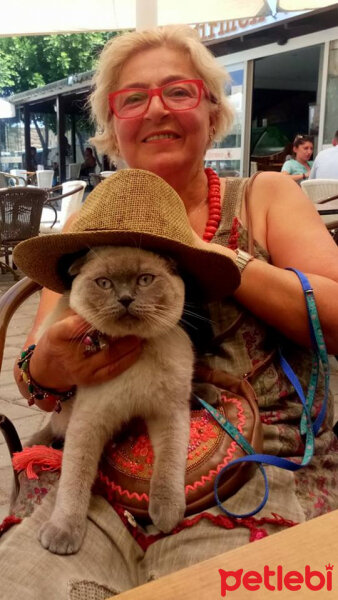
column 87, row 433
column 170, row 438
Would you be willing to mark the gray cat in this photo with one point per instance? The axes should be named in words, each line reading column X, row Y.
column 124, row 291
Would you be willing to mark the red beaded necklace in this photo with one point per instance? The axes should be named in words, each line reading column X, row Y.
column 214, row 202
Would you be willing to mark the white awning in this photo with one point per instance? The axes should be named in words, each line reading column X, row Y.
column 21, row 17
column 7, row 109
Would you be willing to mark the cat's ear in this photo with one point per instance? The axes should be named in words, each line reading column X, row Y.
column 172, row 265
column 75, row 267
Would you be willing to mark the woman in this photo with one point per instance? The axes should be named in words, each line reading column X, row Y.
column 150, row 129
column 299, row 167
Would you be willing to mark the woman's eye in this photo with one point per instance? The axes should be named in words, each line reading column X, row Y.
column 178, row 92
column 103, row 283
column 145, row 279
column 136, row 98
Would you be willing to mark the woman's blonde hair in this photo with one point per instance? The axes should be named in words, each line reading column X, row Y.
column 122, row 47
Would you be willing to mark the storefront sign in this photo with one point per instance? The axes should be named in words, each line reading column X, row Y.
column 218, row 29
column 214, row 30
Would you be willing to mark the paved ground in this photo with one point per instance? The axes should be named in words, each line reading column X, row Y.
column 27, row 420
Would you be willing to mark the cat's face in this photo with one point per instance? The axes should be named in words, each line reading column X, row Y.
column 122, row 291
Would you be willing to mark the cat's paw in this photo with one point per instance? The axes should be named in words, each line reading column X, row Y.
column 166, row 513
column 61, row 539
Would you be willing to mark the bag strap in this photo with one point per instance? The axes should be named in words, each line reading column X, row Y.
column 307, row 427
column 247, row 193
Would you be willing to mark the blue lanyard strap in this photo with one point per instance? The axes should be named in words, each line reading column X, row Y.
column 307, row 427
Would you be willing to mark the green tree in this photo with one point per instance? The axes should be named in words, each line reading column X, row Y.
column 30, row 61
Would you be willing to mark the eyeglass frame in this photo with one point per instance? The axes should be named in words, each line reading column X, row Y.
column 151, row 92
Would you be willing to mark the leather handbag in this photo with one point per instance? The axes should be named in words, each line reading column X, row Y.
column 126, row 464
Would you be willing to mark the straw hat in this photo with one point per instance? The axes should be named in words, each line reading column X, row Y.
column 131, row 208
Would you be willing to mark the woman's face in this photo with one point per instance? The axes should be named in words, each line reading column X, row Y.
column 162, row 141
column 304, row 151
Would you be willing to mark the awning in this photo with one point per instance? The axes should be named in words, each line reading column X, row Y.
column 64, row 16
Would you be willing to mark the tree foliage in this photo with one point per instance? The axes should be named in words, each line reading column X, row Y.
column 30, row 61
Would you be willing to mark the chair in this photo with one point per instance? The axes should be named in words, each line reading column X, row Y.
column 9, row 303
column 270, row 162
column 7, row 180
column 21, row 174
column 44, row 178
column 324, row 192
column 71, row 197
column 73, row 171
column 20, row 214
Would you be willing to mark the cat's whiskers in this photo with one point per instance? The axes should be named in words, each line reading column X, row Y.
column 188, row 324
column 190, row 313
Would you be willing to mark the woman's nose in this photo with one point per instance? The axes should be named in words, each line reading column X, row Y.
column 156, row 108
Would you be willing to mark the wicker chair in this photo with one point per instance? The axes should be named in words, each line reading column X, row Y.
column 9, row 303
column 324, row 195
column 20, row 214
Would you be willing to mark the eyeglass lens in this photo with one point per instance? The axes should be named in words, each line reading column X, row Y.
column 175, row 96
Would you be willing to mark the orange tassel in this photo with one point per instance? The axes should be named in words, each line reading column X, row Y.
column 46, row 458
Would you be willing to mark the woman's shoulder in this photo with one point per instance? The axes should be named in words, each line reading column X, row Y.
column 289, row 164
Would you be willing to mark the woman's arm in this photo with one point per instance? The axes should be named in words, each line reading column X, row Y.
column 298, row 177
column 285, row 222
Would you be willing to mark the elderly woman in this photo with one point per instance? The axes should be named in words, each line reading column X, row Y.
column 159, row 104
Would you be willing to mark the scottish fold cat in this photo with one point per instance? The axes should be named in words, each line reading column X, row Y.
column 124, row 291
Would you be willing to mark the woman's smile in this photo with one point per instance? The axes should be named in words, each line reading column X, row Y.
column 161, row 136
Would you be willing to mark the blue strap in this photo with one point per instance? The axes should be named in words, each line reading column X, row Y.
column 307, row 427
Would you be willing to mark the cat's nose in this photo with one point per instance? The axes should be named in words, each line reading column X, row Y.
column 125, row 300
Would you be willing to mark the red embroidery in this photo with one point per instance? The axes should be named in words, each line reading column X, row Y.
column 8, row 522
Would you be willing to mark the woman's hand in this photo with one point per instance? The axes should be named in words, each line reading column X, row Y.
column 59, row 360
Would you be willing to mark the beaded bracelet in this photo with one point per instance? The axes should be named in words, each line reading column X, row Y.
column 36, row 391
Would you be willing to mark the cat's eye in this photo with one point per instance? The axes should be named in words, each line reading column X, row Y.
column 104, row 283
column 145, row 279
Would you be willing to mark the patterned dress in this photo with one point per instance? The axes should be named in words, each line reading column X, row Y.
column 243, row 343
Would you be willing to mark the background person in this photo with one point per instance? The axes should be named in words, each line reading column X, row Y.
column 299, row 167
column 153, row 130
column 325, row 165
column 89, row 163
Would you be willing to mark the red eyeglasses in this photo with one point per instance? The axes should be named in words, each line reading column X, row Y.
column 132, row 103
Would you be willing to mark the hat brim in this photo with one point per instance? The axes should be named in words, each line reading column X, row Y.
column 40, row 257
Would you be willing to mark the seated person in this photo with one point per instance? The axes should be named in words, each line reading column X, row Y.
column 299, row 167
column 89, row 163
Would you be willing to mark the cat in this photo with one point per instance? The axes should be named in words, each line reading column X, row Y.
column 124, row 291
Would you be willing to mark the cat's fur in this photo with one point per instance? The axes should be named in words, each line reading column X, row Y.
column 156, row 387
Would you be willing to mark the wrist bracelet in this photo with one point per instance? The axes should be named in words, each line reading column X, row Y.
column 36, row 391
